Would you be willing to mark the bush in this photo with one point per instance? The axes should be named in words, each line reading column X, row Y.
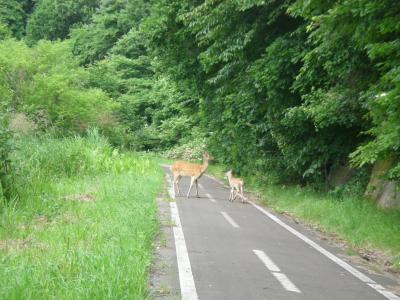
column 39, row 162
column 46, row 83
column 191, row 150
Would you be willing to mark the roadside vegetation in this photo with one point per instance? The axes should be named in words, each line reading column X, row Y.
column 83, row 223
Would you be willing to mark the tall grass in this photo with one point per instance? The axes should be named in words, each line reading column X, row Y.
column 53, row 248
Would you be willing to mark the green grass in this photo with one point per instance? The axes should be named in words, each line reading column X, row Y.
column 60, row 249
column 355, row 219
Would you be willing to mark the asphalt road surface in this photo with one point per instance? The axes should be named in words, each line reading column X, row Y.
column 241, row 251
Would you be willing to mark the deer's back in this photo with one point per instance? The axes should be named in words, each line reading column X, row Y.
column 183, row 168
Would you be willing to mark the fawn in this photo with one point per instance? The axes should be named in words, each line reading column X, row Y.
column 236, row 185
column 194, row 171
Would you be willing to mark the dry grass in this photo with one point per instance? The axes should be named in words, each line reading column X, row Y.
column 20, row 124
column 80, row 198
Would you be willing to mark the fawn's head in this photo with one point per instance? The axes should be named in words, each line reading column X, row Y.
column 229, row 173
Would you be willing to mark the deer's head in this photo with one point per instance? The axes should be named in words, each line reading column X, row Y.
column 207, row 156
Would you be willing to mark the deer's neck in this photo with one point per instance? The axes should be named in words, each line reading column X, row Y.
column 204, row 166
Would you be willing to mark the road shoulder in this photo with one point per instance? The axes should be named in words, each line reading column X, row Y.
column 164, row 281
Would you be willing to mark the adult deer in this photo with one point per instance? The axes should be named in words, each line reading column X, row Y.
column 194, row 171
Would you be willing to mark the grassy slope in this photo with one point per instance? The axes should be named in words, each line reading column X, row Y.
column 356, row 220
column 62, row 249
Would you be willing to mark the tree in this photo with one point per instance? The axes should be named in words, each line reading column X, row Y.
column 112, row 20
column 53, row 19
column 13, row 15
column 47, row 84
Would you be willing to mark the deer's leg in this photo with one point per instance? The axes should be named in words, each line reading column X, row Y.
column 176, row 182
column 197, row 189
column 190, row 188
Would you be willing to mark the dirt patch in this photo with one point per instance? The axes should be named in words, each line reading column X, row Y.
column 66, row 218
column 382, row 258
column 42, row 222
column 80, row 198
column 39, row 222
column 20, row 244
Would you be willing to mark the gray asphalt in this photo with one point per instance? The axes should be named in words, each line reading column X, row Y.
column 224, row 265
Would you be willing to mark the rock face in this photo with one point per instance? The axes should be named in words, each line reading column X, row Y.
column 385, row 192
column 390, row 197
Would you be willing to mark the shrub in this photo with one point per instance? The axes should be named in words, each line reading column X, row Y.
column 46, row 83
column 191, row 150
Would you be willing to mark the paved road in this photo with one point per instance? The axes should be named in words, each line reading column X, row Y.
column 237, row 252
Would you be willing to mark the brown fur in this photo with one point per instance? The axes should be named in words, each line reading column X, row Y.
column 194, row 171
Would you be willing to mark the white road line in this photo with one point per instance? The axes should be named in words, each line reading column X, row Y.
column 207, row 194
column 171, row 191
column 286, row 283
column 282, row 278
column 380, row 289
column 267, row 261
column 210, row 197
column 186, row 281
column 230, row 220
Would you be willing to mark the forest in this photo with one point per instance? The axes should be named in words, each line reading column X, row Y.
column 292, row 89
column 288, row 90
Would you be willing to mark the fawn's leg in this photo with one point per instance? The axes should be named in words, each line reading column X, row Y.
column 234, row 194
